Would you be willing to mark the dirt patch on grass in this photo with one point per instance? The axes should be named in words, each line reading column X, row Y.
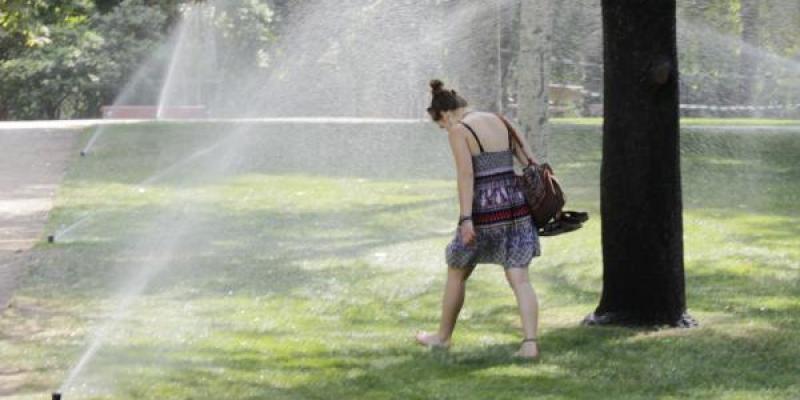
column 32, row 167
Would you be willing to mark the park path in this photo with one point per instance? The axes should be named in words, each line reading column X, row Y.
column 33, row 160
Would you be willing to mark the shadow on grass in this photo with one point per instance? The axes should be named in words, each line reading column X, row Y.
column 576, row 362
column 295, row 253
column 258, row 252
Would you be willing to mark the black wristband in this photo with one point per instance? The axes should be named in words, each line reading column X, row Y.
column 464, row 218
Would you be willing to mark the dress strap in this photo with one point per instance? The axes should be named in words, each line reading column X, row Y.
column 474, row 135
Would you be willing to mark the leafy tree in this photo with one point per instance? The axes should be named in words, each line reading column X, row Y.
column 39, row 82
column 131, row 33
column 33, row 19
column 79, row 63
column 46, row 56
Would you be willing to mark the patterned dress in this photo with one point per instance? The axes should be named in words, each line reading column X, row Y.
column 505, row 233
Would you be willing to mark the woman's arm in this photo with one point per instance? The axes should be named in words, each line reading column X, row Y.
column 465, row 179
column 465, row 175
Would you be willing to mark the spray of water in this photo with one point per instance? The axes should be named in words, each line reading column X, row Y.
column 723, row 52
column 173, row 64
column 360, row 64
column 134, row 91
column 336, row 64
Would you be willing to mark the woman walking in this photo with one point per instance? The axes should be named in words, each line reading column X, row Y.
column 495, row 226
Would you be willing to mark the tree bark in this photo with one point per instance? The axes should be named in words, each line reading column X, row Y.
column 509, row 48
column 536, row 25
column 642, row 227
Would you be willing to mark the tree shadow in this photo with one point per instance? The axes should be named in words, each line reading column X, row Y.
column 577, row 362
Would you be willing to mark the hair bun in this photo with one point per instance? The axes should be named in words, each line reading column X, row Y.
column 436, row 86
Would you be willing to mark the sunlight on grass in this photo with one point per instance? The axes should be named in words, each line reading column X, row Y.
column 288, row 282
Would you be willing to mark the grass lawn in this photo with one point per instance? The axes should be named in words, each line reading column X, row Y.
column 296, row 261
column 746, row 122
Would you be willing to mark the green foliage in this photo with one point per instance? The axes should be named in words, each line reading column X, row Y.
column 32, row 19
column 66, row 58
column 131, row 32
column 43, row 78
column 245, row 39
column 81, row 63
column 710, row 35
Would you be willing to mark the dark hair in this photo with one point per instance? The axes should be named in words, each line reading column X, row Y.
column 443, row 100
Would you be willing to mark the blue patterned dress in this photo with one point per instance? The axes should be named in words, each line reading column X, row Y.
column 505, row 233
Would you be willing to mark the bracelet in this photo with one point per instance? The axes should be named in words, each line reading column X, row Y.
column 464, row 218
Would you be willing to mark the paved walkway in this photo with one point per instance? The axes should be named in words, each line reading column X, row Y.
column 33, row 160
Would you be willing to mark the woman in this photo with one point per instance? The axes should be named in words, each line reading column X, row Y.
column 495, row 225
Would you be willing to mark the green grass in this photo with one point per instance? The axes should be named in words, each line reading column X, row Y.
column 748, row 122
column 297, row 261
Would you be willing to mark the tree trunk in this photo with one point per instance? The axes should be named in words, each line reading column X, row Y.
column 642, row 228
column 536, row 25
column 509, row 47
column 481, row 84
column 748, row 59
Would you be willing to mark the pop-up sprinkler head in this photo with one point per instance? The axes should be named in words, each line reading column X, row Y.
column 56, row 396
column 51, row 239
column 83, row 153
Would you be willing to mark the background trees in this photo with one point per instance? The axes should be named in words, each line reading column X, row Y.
column 63, row 59
column 82, row 52
column 66, row 58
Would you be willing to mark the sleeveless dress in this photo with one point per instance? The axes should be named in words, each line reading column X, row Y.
column 504, row 229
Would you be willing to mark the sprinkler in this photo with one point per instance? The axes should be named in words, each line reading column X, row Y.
column 51, row 238
column 83, row 153
column 56, row 396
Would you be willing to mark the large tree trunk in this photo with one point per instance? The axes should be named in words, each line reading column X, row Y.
column 748, row 59
column 536, row 25
column 642, row 228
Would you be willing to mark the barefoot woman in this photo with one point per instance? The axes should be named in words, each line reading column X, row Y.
column 495, row 225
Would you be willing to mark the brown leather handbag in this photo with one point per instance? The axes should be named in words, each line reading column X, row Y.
column 540, row 186
column 542, row 192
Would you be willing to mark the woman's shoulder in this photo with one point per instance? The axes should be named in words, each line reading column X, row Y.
column 484, row 118
column 480, row 116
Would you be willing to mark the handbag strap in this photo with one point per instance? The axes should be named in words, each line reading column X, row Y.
column 514, row 135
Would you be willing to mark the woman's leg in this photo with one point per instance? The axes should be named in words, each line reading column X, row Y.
column 528, row 309
column 452, row 301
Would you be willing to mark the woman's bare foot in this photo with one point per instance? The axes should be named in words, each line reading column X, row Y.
column 431, row 340
column 528, row 350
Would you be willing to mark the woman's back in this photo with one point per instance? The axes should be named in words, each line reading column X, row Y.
column 491, row 132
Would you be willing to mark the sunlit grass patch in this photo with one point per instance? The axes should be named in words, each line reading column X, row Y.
column 756, row 122
column 287, row 279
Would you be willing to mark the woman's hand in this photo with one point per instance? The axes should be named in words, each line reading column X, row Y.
column 467, row 232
